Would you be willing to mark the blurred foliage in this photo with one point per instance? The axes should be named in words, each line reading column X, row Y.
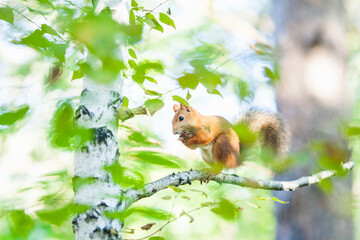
column 10, row 117
column 85, row 39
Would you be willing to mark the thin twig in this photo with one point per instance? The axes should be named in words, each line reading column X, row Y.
column 170, row 221
column 14, row 9
column 228, row 60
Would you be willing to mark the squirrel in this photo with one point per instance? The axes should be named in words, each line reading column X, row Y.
column 219, row 144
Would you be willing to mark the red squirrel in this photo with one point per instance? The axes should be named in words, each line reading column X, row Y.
column 219, row 144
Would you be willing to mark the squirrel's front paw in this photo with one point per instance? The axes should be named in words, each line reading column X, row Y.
column 185, row 136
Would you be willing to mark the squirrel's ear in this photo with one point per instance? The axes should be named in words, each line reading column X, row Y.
column 182, row 106
column 176, row 107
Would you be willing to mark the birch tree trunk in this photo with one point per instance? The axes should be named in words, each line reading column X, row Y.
column 97, row 111
column 312, row 96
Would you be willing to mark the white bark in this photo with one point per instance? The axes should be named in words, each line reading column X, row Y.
column 183, row 178
column 97, row 111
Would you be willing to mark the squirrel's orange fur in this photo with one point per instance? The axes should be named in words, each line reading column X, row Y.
column 218, row 142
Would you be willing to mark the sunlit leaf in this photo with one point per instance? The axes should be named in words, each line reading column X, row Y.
column 176, row 189
column 21, row 223
column 134, row 3
column 154, row 105
column 132, row 64
column 215, row 91
column 226, row 209
column 131, row 16
column 189, row 80
column 79, row 182
column 152, row 93
column 206, row 204
column 180, row 100
column 246, row 136
column 45, row 3
column 125, row 177
column 353, row 131
column 10, row 117
column 47, row 29
column 157, row 238
column 153, row 22
column 166, row 20
column 188, row 95
column 56, row 216
column 155, row 158
column 151, row 213
column 7, row 14
column 132, row 53
column 150, row 79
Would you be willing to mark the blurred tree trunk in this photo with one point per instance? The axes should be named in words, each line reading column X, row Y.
column 312, row 96
column 94, row 187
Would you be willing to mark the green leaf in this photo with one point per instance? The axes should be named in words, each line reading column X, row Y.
column 154, row 105
column 189, row 80
column 134, row 3
column 94, row 3
column 7, row 15
column 215, row 91
column 152, row 93
column 79, row 182
column 180, row 100
column 125, row 102
column 270, row 198
column 153, row 22
column 269, row 74
column 132, row 17
column 207, row 204
column 246, row 136
column 82, row 65
column 280, row 201
column 47, row 29
column 45, row 3
column 125, row 177
column 168, row 11
column 151, row 213
column 56, row 216
column 353, row 131
column 166, row 20
column 188, row 95
column 176, row 189
column 132, row 64
column 21, row 223
column 150, row 79
column 132, row 53
column 138, row 138
column 226, row 209
column 209, row 79
column 10, row 117
column 157, row 238
column 156, row 158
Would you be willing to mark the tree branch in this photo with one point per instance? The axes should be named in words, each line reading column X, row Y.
column 186, row 177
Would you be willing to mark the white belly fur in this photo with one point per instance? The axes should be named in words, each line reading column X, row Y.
column 207, row 153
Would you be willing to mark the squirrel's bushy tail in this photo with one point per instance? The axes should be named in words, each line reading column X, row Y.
column 273, row 131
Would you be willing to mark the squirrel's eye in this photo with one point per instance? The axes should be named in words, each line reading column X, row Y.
column 181, row 118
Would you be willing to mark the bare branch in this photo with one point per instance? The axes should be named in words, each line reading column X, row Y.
column 186, row 177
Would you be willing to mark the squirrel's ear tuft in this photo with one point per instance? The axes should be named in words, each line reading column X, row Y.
column 182, row 106
column 176, row 107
